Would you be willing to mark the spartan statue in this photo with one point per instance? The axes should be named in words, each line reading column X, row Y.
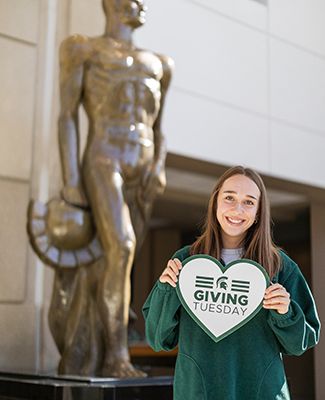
column 92, row 233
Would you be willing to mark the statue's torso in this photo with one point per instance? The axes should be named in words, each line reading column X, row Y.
column 121, row 92
column 121, row 96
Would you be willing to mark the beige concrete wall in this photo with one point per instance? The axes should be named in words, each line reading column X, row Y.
column 30, row 34
column 18, row 48
column 30, row 31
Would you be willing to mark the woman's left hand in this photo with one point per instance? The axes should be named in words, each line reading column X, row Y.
column 277, row 298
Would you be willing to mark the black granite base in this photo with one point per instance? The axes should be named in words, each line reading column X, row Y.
column 14, row 386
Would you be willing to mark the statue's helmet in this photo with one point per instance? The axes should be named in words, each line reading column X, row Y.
column 130, row 12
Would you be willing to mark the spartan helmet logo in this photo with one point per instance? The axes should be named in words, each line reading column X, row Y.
column 221, row 282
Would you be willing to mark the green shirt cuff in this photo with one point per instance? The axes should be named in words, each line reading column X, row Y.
column 282, row 317
column 166, row 287
column 294, row 313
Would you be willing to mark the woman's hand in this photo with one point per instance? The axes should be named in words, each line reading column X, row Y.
column 171, row 272
column 277, row 298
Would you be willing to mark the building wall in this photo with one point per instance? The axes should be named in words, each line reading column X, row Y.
column 29, row 37
column 18, row 70
column 249, row 87
column 250, row 78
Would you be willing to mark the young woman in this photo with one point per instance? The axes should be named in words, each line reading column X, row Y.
column 247, row 364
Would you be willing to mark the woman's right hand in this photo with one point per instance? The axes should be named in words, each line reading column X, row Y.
column 171, row 272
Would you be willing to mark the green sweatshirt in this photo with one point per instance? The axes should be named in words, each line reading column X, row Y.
column 247, row 364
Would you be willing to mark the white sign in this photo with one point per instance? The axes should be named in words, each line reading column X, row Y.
column 221, row 299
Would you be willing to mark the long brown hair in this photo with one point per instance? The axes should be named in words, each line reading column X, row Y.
column 258, row 242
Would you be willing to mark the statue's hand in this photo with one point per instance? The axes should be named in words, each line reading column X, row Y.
column 75, row 195
column 153, row 182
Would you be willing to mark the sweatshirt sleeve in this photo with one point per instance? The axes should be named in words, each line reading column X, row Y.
column 161, row 314
column 299, row 328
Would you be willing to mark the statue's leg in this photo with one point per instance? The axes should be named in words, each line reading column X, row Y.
column 82, row 332
column 75, row 347
column 104, row 186
column 59, row 311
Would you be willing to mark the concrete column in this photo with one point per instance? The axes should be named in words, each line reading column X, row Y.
column 318, row 281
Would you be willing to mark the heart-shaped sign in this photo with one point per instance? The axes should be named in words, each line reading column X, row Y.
column 221, row 299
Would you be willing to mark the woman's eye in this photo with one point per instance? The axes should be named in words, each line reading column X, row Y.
column 249, row 202
column 229, row 198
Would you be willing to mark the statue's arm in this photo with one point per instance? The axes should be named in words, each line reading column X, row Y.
column 73, row 54
column 155, row 180
column 159, row 138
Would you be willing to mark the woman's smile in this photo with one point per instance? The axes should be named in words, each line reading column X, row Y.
column 234, row 221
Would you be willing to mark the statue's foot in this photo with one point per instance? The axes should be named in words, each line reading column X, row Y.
column 122, row 369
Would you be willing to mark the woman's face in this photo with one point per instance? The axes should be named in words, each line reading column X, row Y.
column 237, row 206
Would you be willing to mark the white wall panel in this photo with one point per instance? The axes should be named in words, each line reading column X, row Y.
column 250, row 12
column 87, row 17
column 214, row 56
column 13, row 240
column 17, row 82
column 297, row 155
column 19, row 19
column 299, row 21
column 297, row 86
column 205, row 130
column 17, row 333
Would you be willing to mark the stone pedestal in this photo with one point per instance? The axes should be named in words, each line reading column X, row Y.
column 23, row 386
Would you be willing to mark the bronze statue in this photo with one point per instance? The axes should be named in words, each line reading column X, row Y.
column 122, row 89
